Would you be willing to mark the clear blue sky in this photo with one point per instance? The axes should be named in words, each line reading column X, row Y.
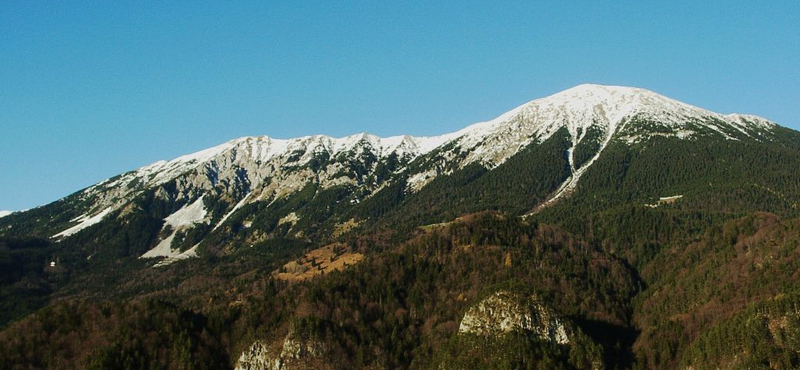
column 90, row 90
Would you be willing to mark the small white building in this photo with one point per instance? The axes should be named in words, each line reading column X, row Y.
column 52, row 263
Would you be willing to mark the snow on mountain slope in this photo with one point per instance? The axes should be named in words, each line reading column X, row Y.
column 608, row 108
column 253, row 169
column 5, row 213
column 578, row 108
column 84, row 221
column 189, row 253
column 265, row 162
column 264, row 148
column 183, row 219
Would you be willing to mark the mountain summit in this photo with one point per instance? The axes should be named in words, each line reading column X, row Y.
column 609, row 109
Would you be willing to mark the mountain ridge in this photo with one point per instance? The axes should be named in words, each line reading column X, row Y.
column 428, row 143
column 425, row 144
column 249, row 170
column 562, row 109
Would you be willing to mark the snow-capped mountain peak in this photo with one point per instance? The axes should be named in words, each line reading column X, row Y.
column 262, row 168
column 608, row 108
column 490, row 142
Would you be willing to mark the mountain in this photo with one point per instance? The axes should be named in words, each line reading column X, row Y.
column 217, row 183
column 585, row 199
column 5, row 213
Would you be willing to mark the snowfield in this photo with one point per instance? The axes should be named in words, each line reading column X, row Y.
column 84, row 221
column 182, row 219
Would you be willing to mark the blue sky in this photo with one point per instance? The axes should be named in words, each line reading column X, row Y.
column 90, row 90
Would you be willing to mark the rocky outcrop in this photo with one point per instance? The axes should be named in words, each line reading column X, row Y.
column 296, row 352
column 504, row 312
column 514, row 329
column 257, row 357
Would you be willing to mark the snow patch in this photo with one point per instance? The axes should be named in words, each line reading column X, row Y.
column 84, row 222
column 235, row 208
column 189, row 253
column 188, row 215
column 665, row 200
column 5, row 213
column 163, row 249
column 419, row 180
column 182, row 219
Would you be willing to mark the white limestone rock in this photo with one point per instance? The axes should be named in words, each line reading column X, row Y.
column 505, row 312
column 295, row 353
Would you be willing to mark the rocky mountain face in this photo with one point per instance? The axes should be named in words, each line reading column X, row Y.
column 296, row 352
column 505, row 312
